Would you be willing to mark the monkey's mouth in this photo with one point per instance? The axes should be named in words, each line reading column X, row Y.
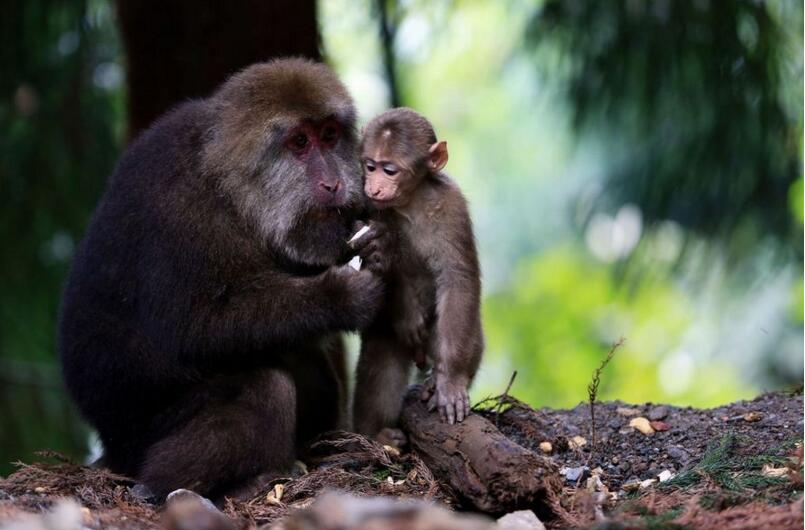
column 383, row 203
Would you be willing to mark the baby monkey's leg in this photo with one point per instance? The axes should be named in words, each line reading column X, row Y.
column 381, row 382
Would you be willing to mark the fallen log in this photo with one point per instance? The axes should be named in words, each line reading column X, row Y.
column 484, row 469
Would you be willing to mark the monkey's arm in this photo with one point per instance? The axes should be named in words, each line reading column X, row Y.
column 266, row 309
column 458, row 338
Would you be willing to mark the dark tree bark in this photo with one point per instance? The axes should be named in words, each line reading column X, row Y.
column 388, row 18
column 490, row 472
column 182, row 49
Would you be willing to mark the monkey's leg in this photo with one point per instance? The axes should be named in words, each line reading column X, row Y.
column 337, row 354
column 319, row 393
column 231, row 439
column 381, row 381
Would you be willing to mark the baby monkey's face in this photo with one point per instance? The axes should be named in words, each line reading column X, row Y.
column 388, row 182
column 391, row 178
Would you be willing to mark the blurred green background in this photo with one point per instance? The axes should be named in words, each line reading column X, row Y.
column 634, row 170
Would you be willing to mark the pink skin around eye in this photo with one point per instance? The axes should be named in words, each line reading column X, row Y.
column 309, row 142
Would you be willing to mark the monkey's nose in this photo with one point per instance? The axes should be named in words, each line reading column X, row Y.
column 332, row 187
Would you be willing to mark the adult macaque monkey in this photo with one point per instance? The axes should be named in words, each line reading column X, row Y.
column 434, row 280
column 208, row 294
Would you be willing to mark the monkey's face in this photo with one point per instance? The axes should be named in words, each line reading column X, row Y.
column 388, row 183
column 284, row 148
column 316, row 182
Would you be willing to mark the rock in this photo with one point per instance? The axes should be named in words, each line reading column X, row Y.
column 753, row 416
column 594, row 483
column 665, row 475
column 631, row 485
column 658, row 413
column 678, row 453
column 627, row 411
column 143, row 492
column 186, row 510
column 520, row 520
column 545, row 447
column 641, row 424
column 614, row 423
column 573, row 474
column 771, row 471
column 647, row 483
column 337, row 511
column 659, row 425
column 66, row 514
column 577, row 442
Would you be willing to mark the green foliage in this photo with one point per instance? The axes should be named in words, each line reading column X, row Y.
column 61, row 122
column 563, row 312
column 701, row 103
column 724, row 466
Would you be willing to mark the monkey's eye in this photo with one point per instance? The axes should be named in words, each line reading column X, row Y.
column 299, row 141
column 370, row 166
column 329, row 134
column 390, row 170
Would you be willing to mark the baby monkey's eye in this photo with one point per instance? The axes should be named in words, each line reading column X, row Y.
column 390, row 170
column 370, row 166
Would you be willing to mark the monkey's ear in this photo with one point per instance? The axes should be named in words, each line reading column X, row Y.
column 437, row 156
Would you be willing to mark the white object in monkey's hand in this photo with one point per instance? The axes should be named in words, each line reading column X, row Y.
column 356, row 261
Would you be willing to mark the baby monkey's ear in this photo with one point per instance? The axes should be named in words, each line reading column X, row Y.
column 437, row 156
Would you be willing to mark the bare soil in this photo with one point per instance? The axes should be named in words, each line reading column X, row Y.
column 736, row 466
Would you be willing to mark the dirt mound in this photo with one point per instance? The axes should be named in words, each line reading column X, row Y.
column 737, row 466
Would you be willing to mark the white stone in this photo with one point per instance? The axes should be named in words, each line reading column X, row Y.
column 520, row 520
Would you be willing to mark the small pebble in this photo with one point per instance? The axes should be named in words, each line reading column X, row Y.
column 658, row 413
column 647, row 483
column 641, row 424
column 520, row 520
column 577, row 442
column 572, row 474
column 677, row 453
column 665, row 475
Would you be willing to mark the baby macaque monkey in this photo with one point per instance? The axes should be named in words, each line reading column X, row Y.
column 433, row 302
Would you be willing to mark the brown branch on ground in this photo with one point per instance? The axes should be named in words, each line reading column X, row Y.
column 487, row 470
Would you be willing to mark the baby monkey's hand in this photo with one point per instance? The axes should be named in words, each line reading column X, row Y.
column 449, row 395
column 375, row 246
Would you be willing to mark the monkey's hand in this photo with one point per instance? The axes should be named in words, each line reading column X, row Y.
column 449, row 395
column 375, row 247
column 361, row 293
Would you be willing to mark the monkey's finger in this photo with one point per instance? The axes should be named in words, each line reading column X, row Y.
column 432, row 404
column 367, row 248
column 450, row 412
column 460, row 412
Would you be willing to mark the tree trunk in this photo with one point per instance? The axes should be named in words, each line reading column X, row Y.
column 183, row 49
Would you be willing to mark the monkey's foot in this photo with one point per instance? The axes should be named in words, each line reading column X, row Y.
column 392, row 437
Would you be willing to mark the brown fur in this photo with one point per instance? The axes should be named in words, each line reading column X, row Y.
column 199, row 330
column 434, row 304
